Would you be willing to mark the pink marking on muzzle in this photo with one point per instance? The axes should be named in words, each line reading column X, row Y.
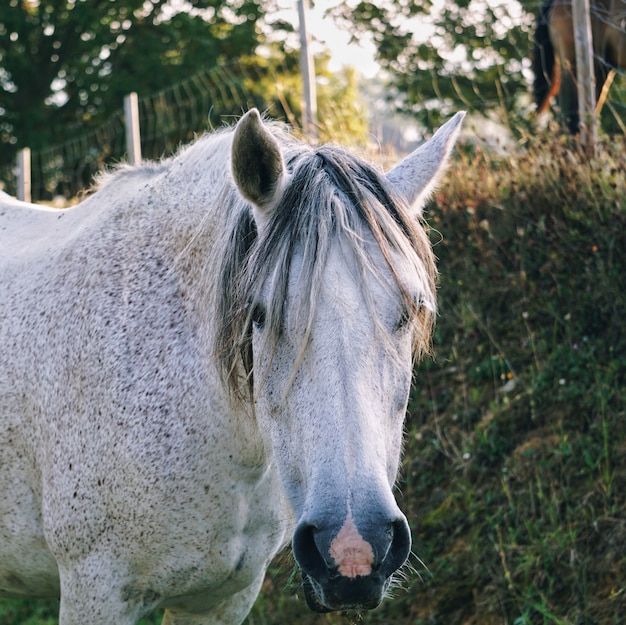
column 352, row 554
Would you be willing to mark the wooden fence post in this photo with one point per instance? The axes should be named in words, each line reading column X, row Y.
column 133, row 136
column 23, row 175
column 307, row 70
column 586, row 81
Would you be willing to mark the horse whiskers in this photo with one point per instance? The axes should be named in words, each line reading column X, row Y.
column 400, row 579
column 413, row 570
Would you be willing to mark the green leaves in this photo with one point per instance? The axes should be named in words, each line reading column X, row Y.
column 443, row 56
column 66, row 65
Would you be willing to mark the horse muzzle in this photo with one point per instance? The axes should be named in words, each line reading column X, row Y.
column 349, row 568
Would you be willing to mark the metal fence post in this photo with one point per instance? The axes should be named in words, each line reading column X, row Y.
column 307, row 70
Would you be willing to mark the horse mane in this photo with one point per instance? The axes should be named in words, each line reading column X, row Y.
column 331, row 194
column 123, row 171
column 147, row 168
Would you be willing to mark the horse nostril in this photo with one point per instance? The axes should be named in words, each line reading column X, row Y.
column 400, row 547
column 322, row 558
column 307, row 554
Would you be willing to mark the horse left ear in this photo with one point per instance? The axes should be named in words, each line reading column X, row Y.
column 257, row 163
column 417, row 175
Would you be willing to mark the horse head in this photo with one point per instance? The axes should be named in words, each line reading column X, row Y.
column 336, row 296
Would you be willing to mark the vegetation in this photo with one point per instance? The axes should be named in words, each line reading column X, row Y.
column 65, row 65
column 442, row 56
column 469, row 54
column 517, row 471
column 515, row 464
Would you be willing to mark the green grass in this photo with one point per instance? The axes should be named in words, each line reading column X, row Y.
column 521, row 419
column 515, row 466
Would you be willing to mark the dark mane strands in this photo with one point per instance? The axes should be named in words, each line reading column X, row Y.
column 330, row 193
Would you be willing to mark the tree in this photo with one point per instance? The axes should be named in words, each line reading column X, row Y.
column 470, row 53
column 66, row 64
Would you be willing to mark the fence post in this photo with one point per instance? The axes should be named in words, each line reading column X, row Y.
column 133, row 136
column 23, row 175
column 586, row 81
column 307, row 69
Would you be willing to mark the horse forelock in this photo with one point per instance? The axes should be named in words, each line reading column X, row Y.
column 331, row 195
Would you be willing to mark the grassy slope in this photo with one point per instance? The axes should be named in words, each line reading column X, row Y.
column 515, row 469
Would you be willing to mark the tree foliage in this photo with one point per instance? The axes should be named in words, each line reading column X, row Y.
column 66, row 64
column 445, row 55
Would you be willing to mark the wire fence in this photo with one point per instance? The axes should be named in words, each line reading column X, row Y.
column 168, row 119
column 212, row 97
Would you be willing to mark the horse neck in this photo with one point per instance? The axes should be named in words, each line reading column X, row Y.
column 200, row 199
column 176, row 209
column 160, row 226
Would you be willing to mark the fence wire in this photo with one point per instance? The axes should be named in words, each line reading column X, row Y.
column 207, row 100
column 168, row 119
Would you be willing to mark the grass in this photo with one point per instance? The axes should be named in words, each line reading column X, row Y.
column 524, row 407
column 515, row 465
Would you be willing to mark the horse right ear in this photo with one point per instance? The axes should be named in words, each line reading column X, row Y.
column 257, row 164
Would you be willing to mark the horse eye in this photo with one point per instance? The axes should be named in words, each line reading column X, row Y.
column 258, row 315
column 409, row 312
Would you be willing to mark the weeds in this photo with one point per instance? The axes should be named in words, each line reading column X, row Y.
column 529, row 343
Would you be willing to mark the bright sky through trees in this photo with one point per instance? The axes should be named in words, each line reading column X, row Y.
column 326, row 35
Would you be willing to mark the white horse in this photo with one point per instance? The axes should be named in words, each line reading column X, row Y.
column 205, row 358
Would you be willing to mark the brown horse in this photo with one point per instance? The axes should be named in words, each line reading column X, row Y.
column 554, row 59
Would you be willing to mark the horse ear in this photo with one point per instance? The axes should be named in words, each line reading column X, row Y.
column 257, row 163
column 416, row 176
